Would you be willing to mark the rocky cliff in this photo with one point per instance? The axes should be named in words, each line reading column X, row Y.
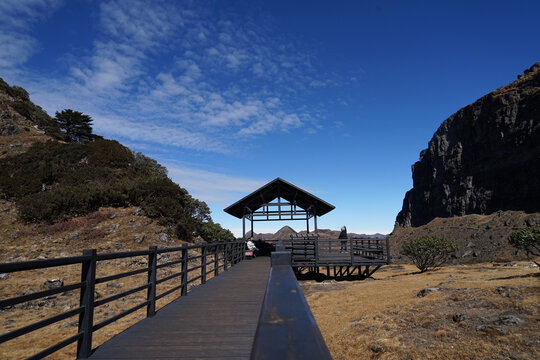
column 484, row 158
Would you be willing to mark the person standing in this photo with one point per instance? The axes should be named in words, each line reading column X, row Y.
column 343, row 237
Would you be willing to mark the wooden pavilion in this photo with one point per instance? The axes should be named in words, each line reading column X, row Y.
column 279, row 200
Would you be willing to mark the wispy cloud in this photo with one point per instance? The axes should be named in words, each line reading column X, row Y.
column 16, row 20
column 215, row 188
column 183, row 72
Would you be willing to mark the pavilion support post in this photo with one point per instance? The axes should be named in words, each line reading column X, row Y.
column 244, row 227
column 307, row 223
column 251, row 224
column 315, row 223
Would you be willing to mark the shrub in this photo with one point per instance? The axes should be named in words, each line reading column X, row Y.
column 429, row 251
column 55, row 181
column 60, row 203
column 212, row 232
column 44, row 163
column 110, row 154
column 527, row 239
column 20, row 93
column 143, row 163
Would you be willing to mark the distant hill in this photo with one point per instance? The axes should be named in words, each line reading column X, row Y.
column 51, row 181
column 285, row 233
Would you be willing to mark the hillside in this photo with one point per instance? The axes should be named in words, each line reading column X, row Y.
column 48, row 178
column 19, row 132
column 477, row 182
column 482, row 159
column 479, row 237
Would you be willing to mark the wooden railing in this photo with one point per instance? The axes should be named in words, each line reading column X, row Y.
column 213, row 258
column 314, row 251
column 286, row 329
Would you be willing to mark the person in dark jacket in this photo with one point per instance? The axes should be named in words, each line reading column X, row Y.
column 343, row 237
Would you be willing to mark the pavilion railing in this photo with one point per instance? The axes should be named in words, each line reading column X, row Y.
column 210, row 259
column 310, row 250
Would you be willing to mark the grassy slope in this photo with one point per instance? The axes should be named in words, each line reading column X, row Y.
column 386, row 314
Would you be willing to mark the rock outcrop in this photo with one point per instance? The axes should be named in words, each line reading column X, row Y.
column 484, row 158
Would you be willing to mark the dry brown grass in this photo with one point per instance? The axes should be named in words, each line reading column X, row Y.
column 384, row 319
column 46, row 241
column 32, row 281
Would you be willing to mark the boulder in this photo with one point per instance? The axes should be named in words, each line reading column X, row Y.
column 53, row 284
column 426, row 291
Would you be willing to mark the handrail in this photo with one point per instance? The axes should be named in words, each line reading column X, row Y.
column 286, row 328
column 353, row 251
column 220, row 255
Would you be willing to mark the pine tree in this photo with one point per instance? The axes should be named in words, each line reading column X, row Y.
column 76, row 126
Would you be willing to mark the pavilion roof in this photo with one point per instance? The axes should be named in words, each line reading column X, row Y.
column 283, row 189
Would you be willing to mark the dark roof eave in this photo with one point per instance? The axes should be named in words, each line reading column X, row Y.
column 237, row 209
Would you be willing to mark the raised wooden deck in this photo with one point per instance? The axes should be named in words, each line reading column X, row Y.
column 217, row 320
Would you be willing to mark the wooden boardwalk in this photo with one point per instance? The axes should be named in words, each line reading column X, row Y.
column 216, row 320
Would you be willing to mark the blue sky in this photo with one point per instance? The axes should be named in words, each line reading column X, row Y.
column 336, row 97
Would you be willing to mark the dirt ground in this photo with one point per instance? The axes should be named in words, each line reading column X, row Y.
column 480, row 311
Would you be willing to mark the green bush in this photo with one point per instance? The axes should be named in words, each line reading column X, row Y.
column 150, row 166
column 109, row 154
column 60, row 204
column 20, row 93
column 212, row 232
column 43, row 164
column 429, row 251
column 527, row 239
column 55, row 181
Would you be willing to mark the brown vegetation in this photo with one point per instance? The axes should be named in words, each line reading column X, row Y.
column 479, row 237
column 482, row 311
column 117, row 229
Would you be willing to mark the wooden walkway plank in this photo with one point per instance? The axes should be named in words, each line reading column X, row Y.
column 217, row 320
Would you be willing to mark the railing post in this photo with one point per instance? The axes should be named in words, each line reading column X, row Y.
column 225, row 257
column 184, row 271
column 86, row 318
column 317, row 254
column 216, row 261
column 203, row 264
column 151, row 293
column 351, row 250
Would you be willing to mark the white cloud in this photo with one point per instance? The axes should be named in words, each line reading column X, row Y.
column 181, row 74
column 16, row 49
column 16, row 20
column 211, row 187
column 158, row 133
